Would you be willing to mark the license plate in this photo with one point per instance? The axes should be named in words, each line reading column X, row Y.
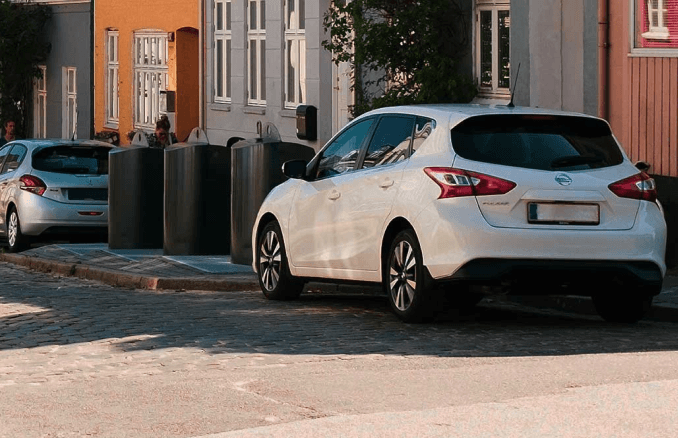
column 563, row 213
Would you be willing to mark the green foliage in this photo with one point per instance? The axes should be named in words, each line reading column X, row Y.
column 22, row 48
column 402, row 51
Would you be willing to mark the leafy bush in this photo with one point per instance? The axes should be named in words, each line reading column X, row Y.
column 22, row 48
column 402, row 51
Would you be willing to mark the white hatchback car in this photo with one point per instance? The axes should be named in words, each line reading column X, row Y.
column 431, row 200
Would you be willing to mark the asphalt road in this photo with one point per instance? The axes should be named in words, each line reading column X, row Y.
column 78, row 358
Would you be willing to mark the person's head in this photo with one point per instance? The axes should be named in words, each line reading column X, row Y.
column 162, row 127
column 10, row 128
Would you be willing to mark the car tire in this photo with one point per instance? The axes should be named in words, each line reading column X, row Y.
column 405, row 281
column 626, row 307
column 16, row 241
column 273, row 269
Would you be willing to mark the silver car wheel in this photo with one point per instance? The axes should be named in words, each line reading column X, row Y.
column 270, row 261
column 12, row 228
column 403, row 275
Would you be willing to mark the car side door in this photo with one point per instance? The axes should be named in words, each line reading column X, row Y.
column 373, row 191
column 317, row 235
column 5, row 182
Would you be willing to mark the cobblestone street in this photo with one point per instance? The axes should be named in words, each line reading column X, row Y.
column 127, row 346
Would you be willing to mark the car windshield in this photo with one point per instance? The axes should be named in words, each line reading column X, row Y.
column 86, row 160
column 539, row 142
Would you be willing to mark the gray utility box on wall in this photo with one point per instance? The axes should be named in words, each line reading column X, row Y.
column 135, row 198
column 256, row 168
column 197, row 199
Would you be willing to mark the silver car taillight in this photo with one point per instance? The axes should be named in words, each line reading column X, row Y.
column 32, row 184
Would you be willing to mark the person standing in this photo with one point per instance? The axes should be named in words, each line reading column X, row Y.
column 162, row 137
column 9, row 132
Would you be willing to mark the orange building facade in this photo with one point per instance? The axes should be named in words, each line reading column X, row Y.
column 146, row 64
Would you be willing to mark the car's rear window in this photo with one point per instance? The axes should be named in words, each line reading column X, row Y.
column 537, row 142
column 83, row 160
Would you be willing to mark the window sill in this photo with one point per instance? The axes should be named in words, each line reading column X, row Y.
column 658, row 34
column 653, row 52
column 113, row 126
column 219, row 106
column 289, row 113
column 260, row 110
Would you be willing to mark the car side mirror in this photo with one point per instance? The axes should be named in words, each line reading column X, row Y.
column 294, row 169
column 642, row 166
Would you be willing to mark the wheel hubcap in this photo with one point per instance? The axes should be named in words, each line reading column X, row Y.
column 403, row 276
column 12, row 228
column 270, row 260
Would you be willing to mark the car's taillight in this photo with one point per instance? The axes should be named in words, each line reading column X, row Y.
column 456, row 182
column 32, row 184
column 638, row 186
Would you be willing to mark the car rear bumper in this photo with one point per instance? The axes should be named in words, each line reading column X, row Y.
column 456, row 246
column 539, row 273
column 38, row 215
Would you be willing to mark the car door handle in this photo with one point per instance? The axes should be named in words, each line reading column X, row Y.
column 334, row 194
column 386, row 183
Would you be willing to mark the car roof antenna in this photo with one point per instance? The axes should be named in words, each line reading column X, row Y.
column 513, row 92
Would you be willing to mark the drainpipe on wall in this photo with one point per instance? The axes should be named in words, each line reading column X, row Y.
column 603, row 56
column 92, row 64
column 201, row 66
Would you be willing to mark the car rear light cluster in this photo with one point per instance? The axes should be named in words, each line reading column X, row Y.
column 32, row 184
column 639, row 186
column 455, row 183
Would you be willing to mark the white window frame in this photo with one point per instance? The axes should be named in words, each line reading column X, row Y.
column 150, row 53
column 493, row 6
column 112, row 77
column 658, row 30
column 295, row 59
column 69, row 100
column 256, row 60
column 223, row 43
column 40, row 105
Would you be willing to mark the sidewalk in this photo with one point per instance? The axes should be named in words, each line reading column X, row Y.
column 150, row 269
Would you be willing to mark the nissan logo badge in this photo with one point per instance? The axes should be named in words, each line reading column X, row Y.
column 563, row 179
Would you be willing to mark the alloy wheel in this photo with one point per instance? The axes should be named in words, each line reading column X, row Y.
column 270, row 261
column 12, row 228
column 403, row 275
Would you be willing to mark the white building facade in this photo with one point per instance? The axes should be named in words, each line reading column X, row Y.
column 263, row 60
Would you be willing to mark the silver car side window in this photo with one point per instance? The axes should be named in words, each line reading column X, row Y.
column 15, row 158
column 3, row 154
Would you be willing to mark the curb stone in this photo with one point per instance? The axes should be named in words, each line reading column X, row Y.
column 134, row 281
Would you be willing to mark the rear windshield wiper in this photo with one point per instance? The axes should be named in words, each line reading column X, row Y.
column 573, row 160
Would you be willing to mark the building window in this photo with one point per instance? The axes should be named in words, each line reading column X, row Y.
column 295, row 52
column 150, row 77
column 656, row 20
column 69, row 110
column 256, row 52
column 40, row 105
column 656, row 23
column 222, row 51
column 493, row 26
column 112, row 68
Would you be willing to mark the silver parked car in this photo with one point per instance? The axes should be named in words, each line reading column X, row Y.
column 52, row 187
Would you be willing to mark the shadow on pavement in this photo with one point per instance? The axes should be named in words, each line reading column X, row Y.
column 58, row 311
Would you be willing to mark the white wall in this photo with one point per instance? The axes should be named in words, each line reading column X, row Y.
column 237, row 119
